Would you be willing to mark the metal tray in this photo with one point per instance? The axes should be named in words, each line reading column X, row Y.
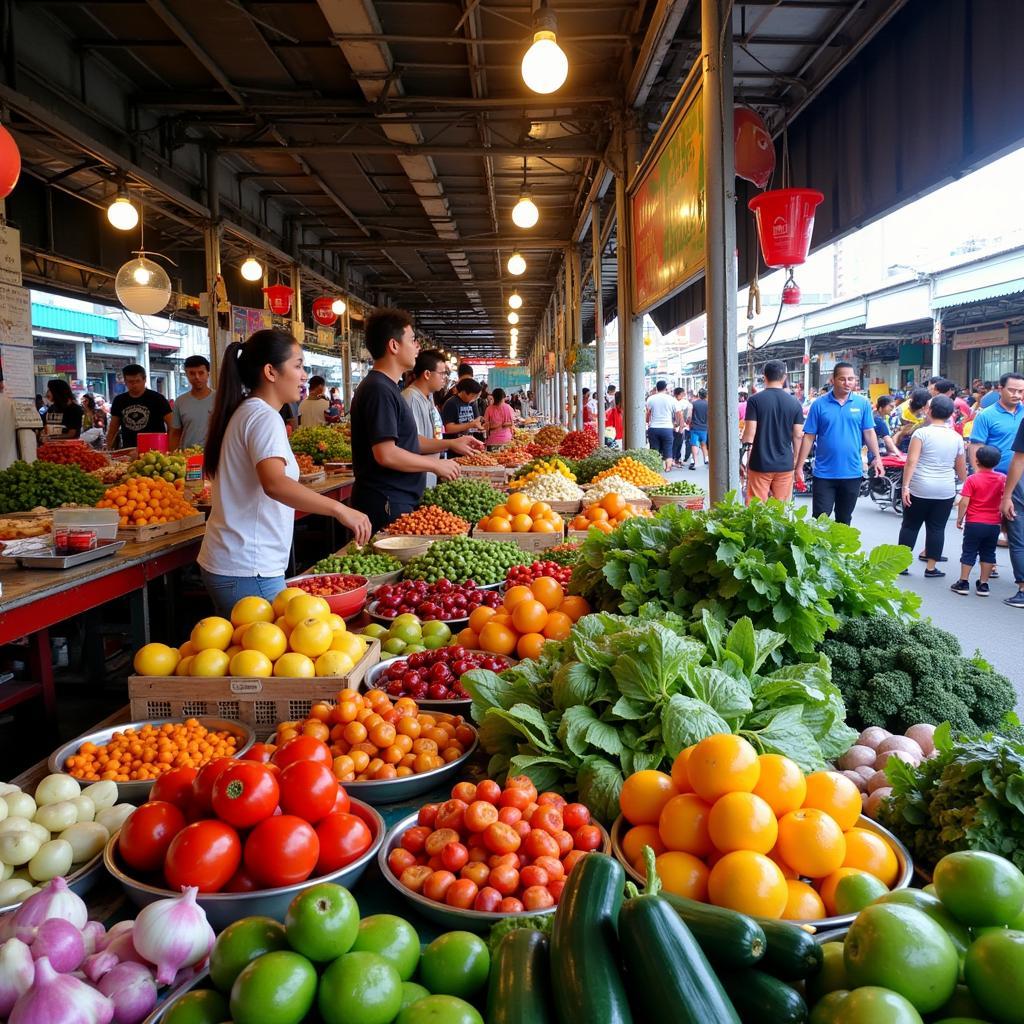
column 453, row 707
column 453, row 624
column 81, row 880
column 69, row 561
column 138, row 792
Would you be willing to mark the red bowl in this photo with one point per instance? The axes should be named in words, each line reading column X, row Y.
column 345, row 604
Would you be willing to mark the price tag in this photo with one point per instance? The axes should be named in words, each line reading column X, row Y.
column 246, row 686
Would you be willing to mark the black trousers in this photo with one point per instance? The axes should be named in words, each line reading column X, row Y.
column 677, row 445
column 381, row 510
column 838, row 495
column 933, row 514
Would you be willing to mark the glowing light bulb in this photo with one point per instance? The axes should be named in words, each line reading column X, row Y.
column 338, row 307
column 515, row 300
column 525, row 213
column 545, row 66
column 516, row 264
column 252, row 269
column 513, row 317
column 140, row 275
column 122, row 214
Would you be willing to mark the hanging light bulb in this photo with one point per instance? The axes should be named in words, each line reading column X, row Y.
column 545, row 66
column 514, row 332
column 516, row 264
column 513, row 317
column 338, row 307
column 515, row 300
column 142, row 286
column 122, row 213
column 252, row 269
column 525, row 213
column 142, row 275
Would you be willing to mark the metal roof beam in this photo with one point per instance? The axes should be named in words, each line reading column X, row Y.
column 442, row 244
column 385, row 37
column 401, row 149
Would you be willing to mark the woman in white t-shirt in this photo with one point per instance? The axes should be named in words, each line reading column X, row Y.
column 255, row 476
column 935, row 462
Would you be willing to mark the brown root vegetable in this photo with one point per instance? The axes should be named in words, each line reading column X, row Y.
column 872, row 736
column 903, row 743
column 877, row 781
column 924, row 736
column 901, row 755
column 855, row 757
column 874, row 801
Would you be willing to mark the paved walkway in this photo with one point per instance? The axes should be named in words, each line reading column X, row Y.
column 984, row 623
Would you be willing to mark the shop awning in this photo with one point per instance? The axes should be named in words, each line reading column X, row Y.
column 990, row 278
column 992, row 291
column 56, row 318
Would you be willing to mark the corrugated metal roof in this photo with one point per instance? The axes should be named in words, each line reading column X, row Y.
column 56, row 318
column 835, row 325
column 992, row 291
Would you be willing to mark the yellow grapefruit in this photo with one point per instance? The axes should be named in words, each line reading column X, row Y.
column 252, row 609
column 293, row 664
column 187, row 649
column 233, row 650
column 333, row 663
column 156, row 660
column 282, row 599
column 266, row 638
column 311, row 637
column 251, row 663
column 282, row 624
column 211, row 662
column 351, row 644
column 306, row 606
column 337, row 623
column 212, row 633
column 184, row 666
column 236, row 637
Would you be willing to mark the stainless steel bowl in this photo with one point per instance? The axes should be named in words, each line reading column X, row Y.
column 81, row 880
column 906, row 866
column 836, row 935
column 453, row 624
column 447, row 917
column 138, row 792
column 453, row 707
column 201, row 980
column 373, row 582
column 224, row 907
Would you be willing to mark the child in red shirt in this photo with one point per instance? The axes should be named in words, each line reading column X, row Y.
column 977, row 514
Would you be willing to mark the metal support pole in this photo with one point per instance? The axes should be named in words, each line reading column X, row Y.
column 720, row 249
column 561, row 395
column 212, row 235
column 631, row 344
column 599, row 385
column 576, row 309
column 936, row 341
column 346, row 344
column 807, row 366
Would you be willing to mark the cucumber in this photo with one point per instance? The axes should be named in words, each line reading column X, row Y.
column 758, row 997
column 727, row 938
column 584, row 947
column 519, row 991
column 667, row 974
column 792, row 953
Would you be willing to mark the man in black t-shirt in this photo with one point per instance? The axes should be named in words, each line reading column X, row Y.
column 699, row 428
column 139, row 410
column 459, row 414
column 773, row 427
column 388, row 455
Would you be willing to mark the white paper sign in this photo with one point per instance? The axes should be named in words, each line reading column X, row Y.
column 19, row 372
column 15, row 316
column 10, row 255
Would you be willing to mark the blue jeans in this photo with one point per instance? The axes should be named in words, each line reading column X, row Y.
column 226, row 591
column 1015, row 535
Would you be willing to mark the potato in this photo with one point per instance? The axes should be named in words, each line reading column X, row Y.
column 53, row 859
column 57, row 816
column 20, row 805
column 15, row 825
column 857, row 756
column 112, row 818
column 87, row 838
column 875, row 801
column 856, row 779
column 102, row 794
column 872, row 736
column 56, row 788
column 877, row 781
column 901, row 743
column 923, row 735
column 14, row 890
column 865, row 771
column 85, row 807
column 901, row 755
column 18, row 848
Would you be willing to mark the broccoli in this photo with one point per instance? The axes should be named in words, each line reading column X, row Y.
column 935, row 639
column 881, row 699
column 854, row 632
column 918, row 661
column 841, row 655
column 874, row 660
column 934, row 703
column 884, row 631
column 993, row 696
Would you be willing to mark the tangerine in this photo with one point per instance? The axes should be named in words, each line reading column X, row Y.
column 683, row 825
column 479, row 617
column 468, row 638
column 548, row 591
column 596, row 514
column 870, row 852
column 836, row 795
column 520, row 592
column 683, row 874
column 558, row 626
column 639, row 836
column 802, row 902
column 529, row 645
column 497, row 638
column 518, row 503
column 749, row 883
column 742, row 821
column 499, row 524
column 722, row 763
column 530, row 616
column 613, row 503
column 575, row 607
column 811, row 842
column 521, row 523
column 780, row 784
column 680, row 776
column 644, row 795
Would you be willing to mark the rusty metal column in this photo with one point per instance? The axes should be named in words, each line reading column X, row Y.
column 720, row 249
column 631, row 344
column 212, row 234
column 599, row 385
column 576, row 307
column 561, row 392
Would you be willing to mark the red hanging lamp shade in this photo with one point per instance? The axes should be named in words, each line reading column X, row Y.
column 10, row 163
column 279, row 296
column 785, row 222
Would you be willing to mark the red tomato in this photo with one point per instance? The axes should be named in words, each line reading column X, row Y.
column 478, row 854
column 488, row 790
column 175, row 787
column 587, row 838
column 341, row 801
column 539, row 843
column 501, row 838
column 399, row 860
column 281, row 850
column 524, row 783
column 575, row 816
column 479, row 814
column 414, row 839
column 438, row 840
column 476, row 871
column 308, row 790
column 552, row 865
column 522, row 828
column 504, row 878
column 427, row 815
column 572, row 859
column 148, row 832
column 555, row 887
column 240, row 881
column 415, row 877
column 454, row 856
column 548, row 818
column 464, row 791
column 343, row 838
column 202, row 786
column 462, row 893
column 510, row 815
column 439, row 882
column 487, row 900
column 204, row 854
column 514, row 798
column 565, row 843
column 302, row 748
column 261, row 752
column 533, row 875
column 245, row 793
column 510, row 905
column 553, row 799
column 537, row 897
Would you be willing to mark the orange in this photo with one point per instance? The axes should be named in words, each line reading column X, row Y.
column 802, row 902
column 521, row 523
column 613, row 504
column 515, row 594
column 781, row 784
column 827, row 887
column 543, row 526
column 680, row 776
column 518, row 503
column 683, row 874
column 579, row 523
column 683, row 825
column 499, row 524
column 596, row 514
column 870, row 852
column 575, row 607
column 722, row 763
column 503, row 618
column 603, row 527
column 529, row 616
column 749, row 883
column 634, row 841
column 811, row 842
column 529, row 645
column 644, row 795
column 836, row 795
column 497, row 639
column 742, row 821
column 548, row 591
column 783, row 866
column 500, row 512
column 558, row 626
column 468, row 638
column 539, row 509
column 479, row 617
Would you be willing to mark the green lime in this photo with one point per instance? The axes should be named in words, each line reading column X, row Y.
column 961, row 1004
column 393, row 645
column 855, row 892
column 933, row 907
column 824, row 1011
column 874, row 1005
column 277, row 988
column 437, row 628
column 994, row 972
column 979, row 888
column 831, row 977
column 408, row 632
column 205, row 1006
column 322, row 922
column 455, row 964
column 413, row 649
column 434, row 641
column 411, row 993
column 440, row 1010
column 392, row 938
column 241, row 943
column 360, row 988
column 376, row 630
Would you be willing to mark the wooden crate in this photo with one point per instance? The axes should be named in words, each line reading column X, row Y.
column 527, row 541
column 151, row 531
column 496, row 476
column 255, row 701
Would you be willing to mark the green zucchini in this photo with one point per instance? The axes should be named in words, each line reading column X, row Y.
column 727, row 938
column 520, row 987
column 792, row 953
column 584, row 947
column 758, row 997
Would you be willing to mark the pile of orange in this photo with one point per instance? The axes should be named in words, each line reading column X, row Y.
column 611, row 511
column 142, row 500
column 750, row 832
column 529, row 616
column 521, row 514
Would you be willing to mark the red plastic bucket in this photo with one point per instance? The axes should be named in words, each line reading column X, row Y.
column 151, row 443
column 785, row 221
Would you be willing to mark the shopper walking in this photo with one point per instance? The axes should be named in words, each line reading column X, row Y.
column 699, row 428
column 614, row 429
column 839, row 424
column 772, row 427
column 499, row 419
column 256, row 492
column 998, row 423
column 935, row 462
column 661, row 415
column 681, row 429
column 978, row 516
column 190, row 418
column 139, row 410
column 1013, row 512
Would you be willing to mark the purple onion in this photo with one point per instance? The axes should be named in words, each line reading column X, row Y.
column 132, row 990
column 61, row 943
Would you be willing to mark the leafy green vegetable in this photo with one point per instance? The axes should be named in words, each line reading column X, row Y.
column 623, row 694
column 970, row 796
column 789, row 573
column 321, row 444
column 535, row 922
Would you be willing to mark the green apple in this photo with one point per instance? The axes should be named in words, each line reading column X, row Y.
column 979, row 888
column 437, row 628
column 933, row 907
column 376, row 630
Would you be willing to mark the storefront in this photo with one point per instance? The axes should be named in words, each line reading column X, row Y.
column 69, row 344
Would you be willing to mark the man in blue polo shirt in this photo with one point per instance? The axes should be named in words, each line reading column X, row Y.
column 842, row 423
column 997, row 424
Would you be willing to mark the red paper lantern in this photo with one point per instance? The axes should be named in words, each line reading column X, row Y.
column 322, row 312
column 10, row 163
column 280, row 298
column 754, row 149
column 791, row 294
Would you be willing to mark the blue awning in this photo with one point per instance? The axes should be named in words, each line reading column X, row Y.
column 71, row 321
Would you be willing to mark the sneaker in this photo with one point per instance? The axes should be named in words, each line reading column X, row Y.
column 994, row 574
column 692, row 466
column 961, row 587
column 924, row 558
column 981, row 589
column 906, row 572
column 933, row 574
column 1017, row 601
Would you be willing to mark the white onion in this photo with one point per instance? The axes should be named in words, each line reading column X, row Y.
column 112, row 818
column 18, row 848
column 56, row 817
column 54, row 858
column 12, row 890
column 56, row 788
column 102, row 794
column 20, row 805
column 87, row 838
column 85, row 807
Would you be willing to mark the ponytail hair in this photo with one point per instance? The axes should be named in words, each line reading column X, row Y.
column 241, row 372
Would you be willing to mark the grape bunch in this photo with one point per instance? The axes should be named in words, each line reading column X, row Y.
column 461, row 559
column 25, row 486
